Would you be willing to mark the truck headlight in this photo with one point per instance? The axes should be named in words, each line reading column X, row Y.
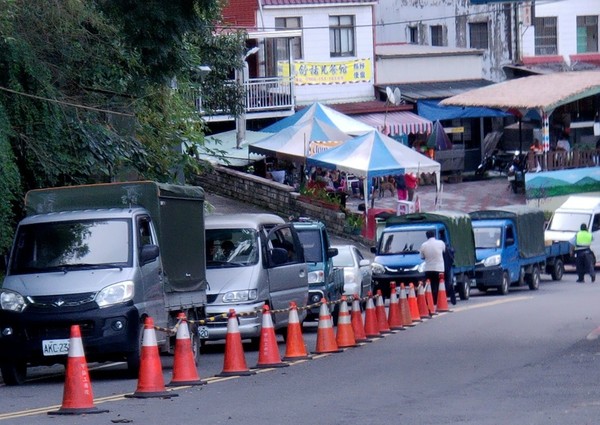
column 316, row 276
column 377, row 268
column 349, row 277
column 115, row 294
column 494, row 260
column 12, row 301
column 240, row 296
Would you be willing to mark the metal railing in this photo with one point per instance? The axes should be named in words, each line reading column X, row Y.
column 261, row 95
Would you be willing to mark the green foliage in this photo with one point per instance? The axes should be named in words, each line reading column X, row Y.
column 9, row 185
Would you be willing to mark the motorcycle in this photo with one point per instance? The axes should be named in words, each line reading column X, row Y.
column 516, row 172
column 496, row 161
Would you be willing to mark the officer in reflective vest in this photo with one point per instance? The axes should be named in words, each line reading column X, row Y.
column 584, row 264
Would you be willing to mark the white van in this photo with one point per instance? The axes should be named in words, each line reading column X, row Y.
column 252, row 260
column 567, row 219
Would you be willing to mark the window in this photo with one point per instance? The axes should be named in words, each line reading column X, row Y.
column 437, row 35
column 296, row 42
column 278, row 49
column 341, row 35
column 478, row 35
column 546, row 42
column 587, row 34
column 413, row 35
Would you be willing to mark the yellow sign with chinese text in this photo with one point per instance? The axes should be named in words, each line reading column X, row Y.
column 347, row 72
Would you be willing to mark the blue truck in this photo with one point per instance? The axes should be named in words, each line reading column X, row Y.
column 397, row 257
column 511, row 251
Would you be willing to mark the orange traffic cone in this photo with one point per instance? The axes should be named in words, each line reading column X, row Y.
column 268, row 353
column 429, row 298
column 326, row 342
column 405, row 308
column 357, row 321
column 184, row 366
column 442, row 299
column 382, row 322
column 371, row 326
column 78, row 398
column 151, row 382
column 422, row 302
column 234, row 363
column 412, row 304
column 295, row 349
column 394, row 317
column 345, row 333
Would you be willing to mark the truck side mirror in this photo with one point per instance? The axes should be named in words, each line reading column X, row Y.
column 374, row 249
column 149, row 253
column 332, row 252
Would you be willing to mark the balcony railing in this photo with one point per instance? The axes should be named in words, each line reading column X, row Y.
column 264, row 97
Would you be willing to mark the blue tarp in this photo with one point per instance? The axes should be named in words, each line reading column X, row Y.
column 433, row 111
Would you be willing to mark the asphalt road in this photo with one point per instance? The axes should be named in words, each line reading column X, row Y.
column 526, row 358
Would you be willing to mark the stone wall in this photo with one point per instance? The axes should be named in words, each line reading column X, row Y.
column 279, row 198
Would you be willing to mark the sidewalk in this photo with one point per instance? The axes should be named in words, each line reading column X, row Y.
column 466, row 196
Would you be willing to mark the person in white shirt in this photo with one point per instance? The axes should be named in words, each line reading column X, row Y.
column 432, row 251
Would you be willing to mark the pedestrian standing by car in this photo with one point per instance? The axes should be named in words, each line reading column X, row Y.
column 432, row 251
column 582, row 242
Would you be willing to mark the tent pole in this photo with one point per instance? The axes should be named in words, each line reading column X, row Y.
column 365, row 187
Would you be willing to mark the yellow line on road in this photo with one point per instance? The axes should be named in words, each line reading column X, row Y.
column 215, row 379
column 493, row 303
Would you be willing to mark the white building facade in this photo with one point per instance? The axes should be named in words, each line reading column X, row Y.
column 333, row 59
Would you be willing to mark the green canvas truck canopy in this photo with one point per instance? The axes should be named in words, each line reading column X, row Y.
column 176, row 211
column 459, row 229
column 529, row 225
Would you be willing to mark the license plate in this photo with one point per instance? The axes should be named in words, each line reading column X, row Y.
column 203, row 332
column 55, row 347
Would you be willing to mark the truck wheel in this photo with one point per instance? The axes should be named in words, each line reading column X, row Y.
column 14, row 373
column 503, row 288
column 558, row 270
column 533, row 279
column 195, row 342
column 464, row 289
column 133, row 358
column 335, row 313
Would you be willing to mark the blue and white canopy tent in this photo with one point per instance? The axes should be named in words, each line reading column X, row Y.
column 324, row 114
column 295, row 143
column 375, row 155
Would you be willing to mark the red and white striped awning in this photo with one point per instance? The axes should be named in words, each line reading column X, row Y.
column 400, row 122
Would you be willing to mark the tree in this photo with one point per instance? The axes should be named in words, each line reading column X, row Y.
column 84, row 90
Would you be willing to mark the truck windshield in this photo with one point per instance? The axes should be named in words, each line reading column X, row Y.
column 231, row 248
column 402, row 242
column 487, row 237
column 311, row 242
column 568, row 222
column 68, row 245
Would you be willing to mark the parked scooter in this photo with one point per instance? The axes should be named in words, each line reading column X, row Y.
column 516, row 172
column 495, row 161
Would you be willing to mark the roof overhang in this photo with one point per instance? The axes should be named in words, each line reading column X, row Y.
column 274, row 34
column 413, row 92
column 540, row 92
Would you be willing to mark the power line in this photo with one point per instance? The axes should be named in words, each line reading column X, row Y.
column 61, row 102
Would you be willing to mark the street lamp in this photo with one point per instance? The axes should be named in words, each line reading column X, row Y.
column 240, row 121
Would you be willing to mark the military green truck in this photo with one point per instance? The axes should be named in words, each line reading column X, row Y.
column 397, row 257
column 103, row 257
